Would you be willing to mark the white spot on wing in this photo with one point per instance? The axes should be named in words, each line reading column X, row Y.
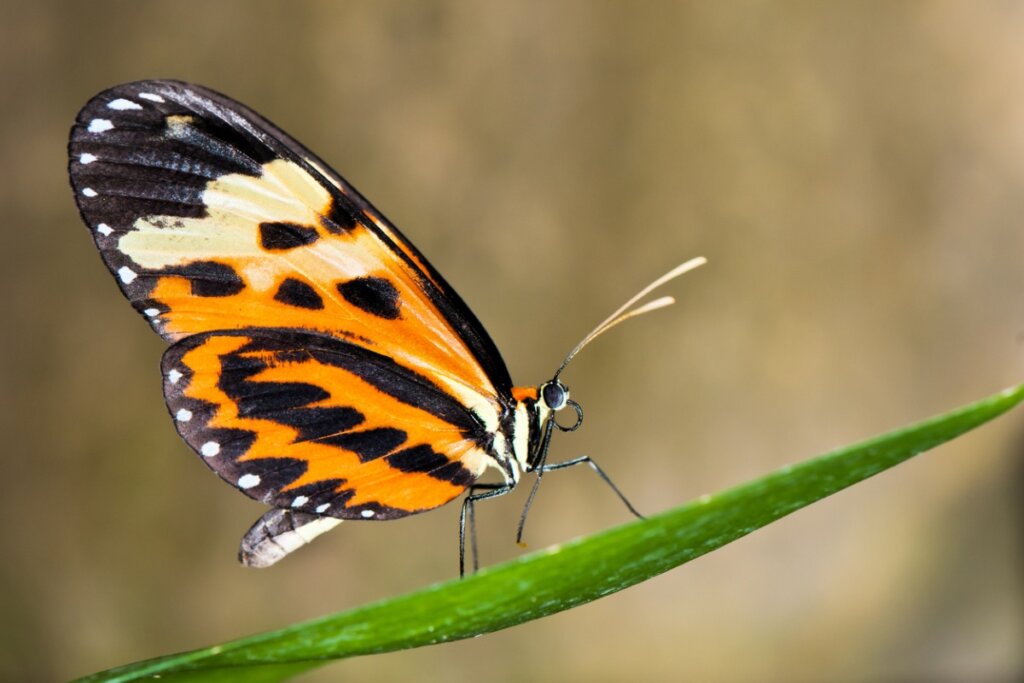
column 126, row 274
column 323, row 508
column 247, row 481
column 86, row 158
column 299, row 501
column 173, row 376
column 89, row 192
column 152, row 312
column 99, row 125
column 367, row 513
column 104, row 229
column 121, row 104
column 210, row 449
column 151, row 97
column 183, row 415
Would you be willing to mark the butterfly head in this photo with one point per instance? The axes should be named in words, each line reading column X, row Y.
column 537, row 407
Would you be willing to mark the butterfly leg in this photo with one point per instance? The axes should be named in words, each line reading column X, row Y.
column 583, row 459
column 469, row 511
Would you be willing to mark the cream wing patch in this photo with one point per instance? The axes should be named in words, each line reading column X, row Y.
column 236, row 206
column 285, row 193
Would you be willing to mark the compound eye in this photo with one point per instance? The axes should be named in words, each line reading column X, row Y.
column 555, row 395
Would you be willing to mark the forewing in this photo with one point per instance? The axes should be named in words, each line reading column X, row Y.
column 318, row 425
column 211, row 218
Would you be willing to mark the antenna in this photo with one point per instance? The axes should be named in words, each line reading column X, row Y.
column 623, row 313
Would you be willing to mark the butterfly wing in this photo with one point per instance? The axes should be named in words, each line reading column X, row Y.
column 303, row 320
column 315, row 424
column 210, row 218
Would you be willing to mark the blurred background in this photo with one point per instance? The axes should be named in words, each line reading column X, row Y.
column 853, row 171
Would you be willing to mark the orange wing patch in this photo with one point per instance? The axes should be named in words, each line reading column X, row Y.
column 211, row 218
column 273, row 247
column 317, row 425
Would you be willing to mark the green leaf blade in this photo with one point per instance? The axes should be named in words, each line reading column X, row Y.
column 563, row 576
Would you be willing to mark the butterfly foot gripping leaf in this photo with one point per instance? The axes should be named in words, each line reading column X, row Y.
column 319, row 363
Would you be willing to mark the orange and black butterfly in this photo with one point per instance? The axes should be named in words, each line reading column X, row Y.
column 319, row 363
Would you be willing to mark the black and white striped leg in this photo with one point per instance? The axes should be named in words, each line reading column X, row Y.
column 468, row 510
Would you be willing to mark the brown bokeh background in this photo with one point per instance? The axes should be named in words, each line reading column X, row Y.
column 853, row 171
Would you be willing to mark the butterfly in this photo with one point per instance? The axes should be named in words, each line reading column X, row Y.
column 318, row 362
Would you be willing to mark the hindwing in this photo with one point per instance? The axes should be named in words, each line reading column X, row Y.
column 316, row 424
